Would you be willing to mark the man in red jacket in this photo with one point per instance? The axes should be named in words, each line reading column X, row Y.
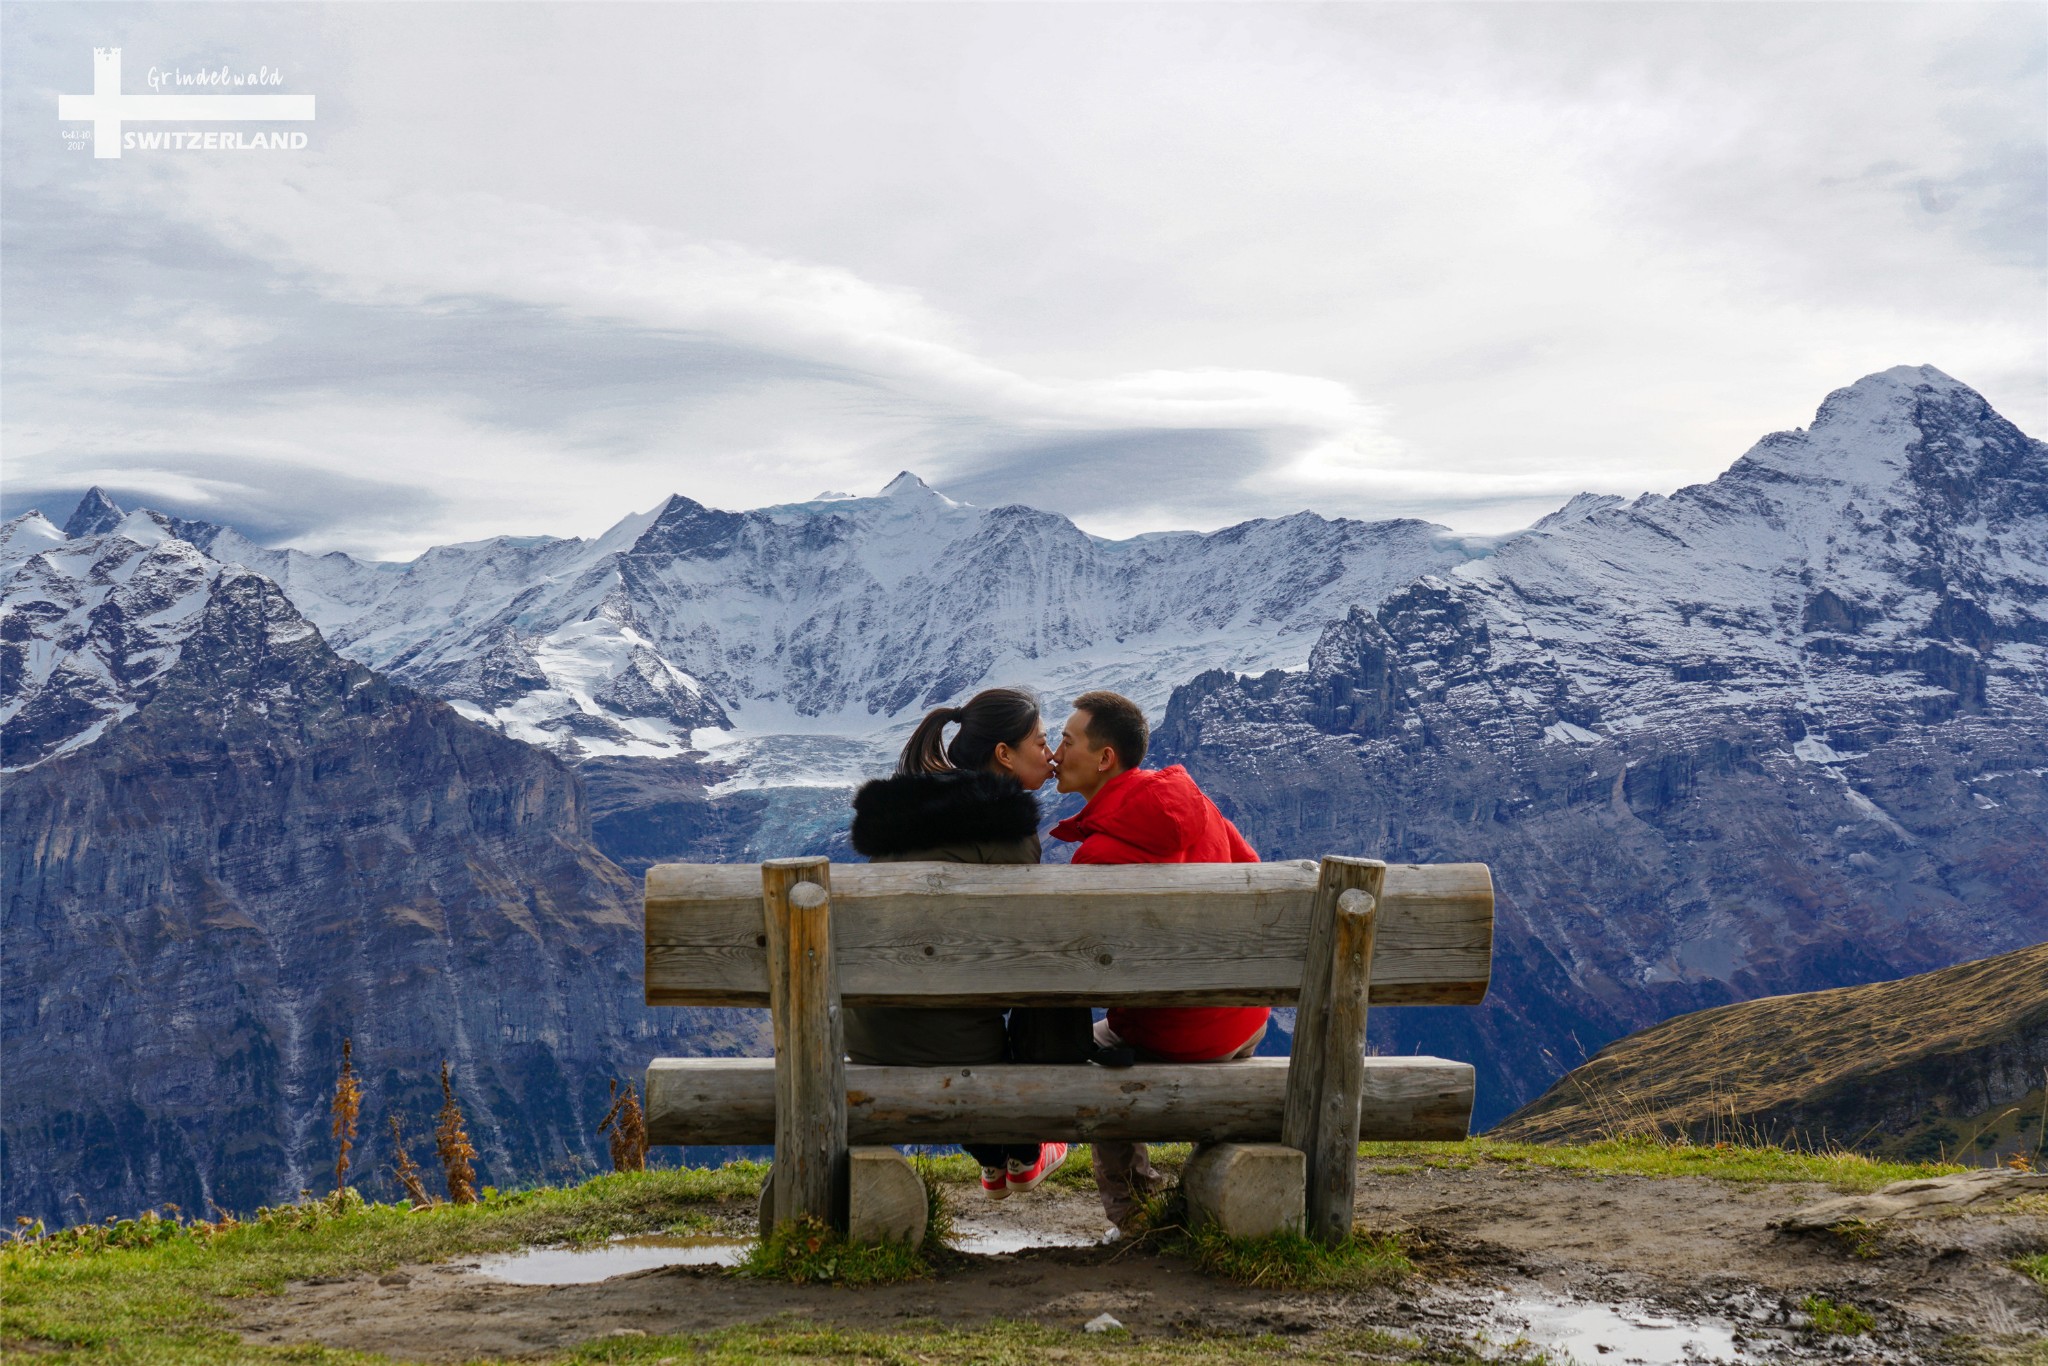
column 1139, row 815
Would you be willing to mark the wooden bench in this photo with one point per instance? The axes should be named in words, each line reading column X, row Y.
column 803, row 938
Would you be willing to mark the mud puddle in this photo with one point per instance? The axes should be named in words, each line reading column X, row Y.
column 622, row 1256
column 1588, row 1331
column 627, row 1254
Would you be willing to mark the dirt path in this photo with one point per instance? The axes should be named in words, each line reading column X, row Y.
column 1492, row 1238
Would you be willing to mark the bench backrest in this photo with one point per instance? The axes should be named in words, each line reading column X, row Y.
column 1055, row 934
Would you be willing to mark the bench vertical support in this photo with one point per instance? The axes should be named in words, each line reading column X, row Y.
column 1313, row 1042
column 810, row 1051
column 1333, row 1162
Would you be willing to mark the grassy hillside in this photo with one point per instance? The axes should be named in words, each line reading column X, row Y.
column 1948, row 1065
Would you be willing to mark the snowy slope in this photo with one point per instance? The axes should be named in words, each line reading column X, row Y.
column 799, row 637
column 1895, row 552
column 796, row 640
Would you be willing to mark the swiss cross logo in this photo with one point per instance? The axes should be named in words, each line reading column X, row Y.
column 106, row 108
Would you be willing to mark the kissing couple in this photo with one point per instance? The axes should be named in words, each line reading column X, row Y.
column 969, row 799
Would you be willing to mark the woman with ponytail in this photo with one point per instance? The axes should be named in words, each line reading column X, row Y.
column 968, row 800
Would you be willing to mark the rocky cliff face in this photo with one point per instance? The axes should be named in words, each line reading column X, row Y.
column 235, row 849
column 1783, row 731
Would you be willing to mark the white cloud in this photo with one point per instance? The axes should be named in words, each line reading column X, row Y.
column 1447, row 260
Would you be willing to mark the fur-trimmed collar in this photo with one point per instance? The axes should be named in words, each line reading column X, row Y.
column 912, row 811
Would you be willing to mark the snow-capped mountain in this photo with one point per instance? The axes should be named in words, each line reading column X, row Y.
column 1780, row 731
column 802, row 631
column 89, row 621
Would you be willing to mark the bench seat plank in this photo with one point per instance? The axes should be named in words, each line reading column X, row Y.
column 938, row 934
column 732, row 1101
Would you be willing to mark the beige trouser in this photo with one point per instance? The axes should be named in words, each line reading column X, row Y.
column 1124, row 1174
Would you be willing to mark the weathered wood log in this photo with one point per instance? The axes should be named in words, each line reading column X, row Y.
column 937, row 934
column 1333, row 1157
column 885, row 1199
column 810, row 1048
column 1312, row 1013
column 731, row 1101
column 1248, row 1190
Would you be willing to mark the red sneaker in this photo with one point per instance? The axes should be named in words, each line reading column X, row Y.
column 1024, row 1178
column 995, row 1182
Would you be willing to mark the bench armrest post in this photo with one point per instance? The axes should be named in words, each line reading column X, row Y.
column 810, row 1047
column 1333, row 1161
column 1313, row 1045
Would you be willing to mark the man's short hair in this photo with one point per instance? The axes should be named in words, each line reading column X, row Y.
column 1114, row 720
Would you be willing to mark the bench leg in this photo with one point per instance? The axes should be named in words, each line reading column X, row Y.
column 1333, row 1161
column 885, row 1199
column 1248, row 1190
column 1325, row 1064
column 810, row 1048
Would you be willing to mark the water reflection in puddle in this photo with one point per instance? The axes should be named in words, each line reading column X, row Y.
column 620, row 1257
column 1624, row 1335
column 993, row 1242
column 643, row 1252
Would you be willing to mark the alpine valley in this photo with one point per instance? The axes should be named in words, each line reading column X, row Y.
column 1784, row 731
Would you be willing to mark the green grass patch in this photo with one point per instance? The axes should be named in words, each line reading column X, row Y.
column 152, row 1292
column 1643, row 1156
column 1289, row 1261
column 938, row 1210
column 1830, row 1319
column 803, row 1251
column 2035, row 1266
column 2009, row 1351
column 1860, row 1238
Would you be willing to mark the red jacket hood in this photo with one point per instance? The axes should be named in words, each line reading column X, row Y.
column 1161, row 816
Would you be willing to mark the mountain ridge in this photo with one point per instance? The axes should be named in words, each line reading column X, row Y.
column 687, row 625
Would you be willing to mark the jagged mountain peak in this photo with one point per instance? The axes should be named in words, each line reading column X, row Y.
column 95, row 515
column 908, row 485
column 29, row 534
column 685, row 526
column 1870, row 432
column 1580, row 507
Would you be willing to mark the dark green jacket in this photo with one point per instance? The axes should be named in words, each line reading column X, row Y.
column 950, row 817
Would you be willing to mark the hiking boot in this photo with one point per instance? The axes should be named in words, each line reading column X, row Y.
column 1024, row 1178
column 995, row 1182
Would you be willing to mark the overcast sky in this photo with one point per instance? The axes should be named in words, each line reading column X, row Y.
column 1151, row 266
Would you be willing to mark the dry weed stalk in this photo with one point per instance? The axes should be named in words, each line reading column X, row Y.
column 451, row 1141
column 348, row 1103
column 406, row 1170
column 628, row 1130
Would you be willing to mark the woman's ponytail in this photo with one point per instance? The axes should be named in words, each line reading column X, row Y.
column 925, row 752
column 994, row 716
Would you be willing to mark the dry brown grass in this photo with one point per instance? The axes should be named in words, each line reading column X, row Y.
column 627, row 1128
column 1797, row 1071
column 348, row 1103
column 406, row 1170
column 451, row 1141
